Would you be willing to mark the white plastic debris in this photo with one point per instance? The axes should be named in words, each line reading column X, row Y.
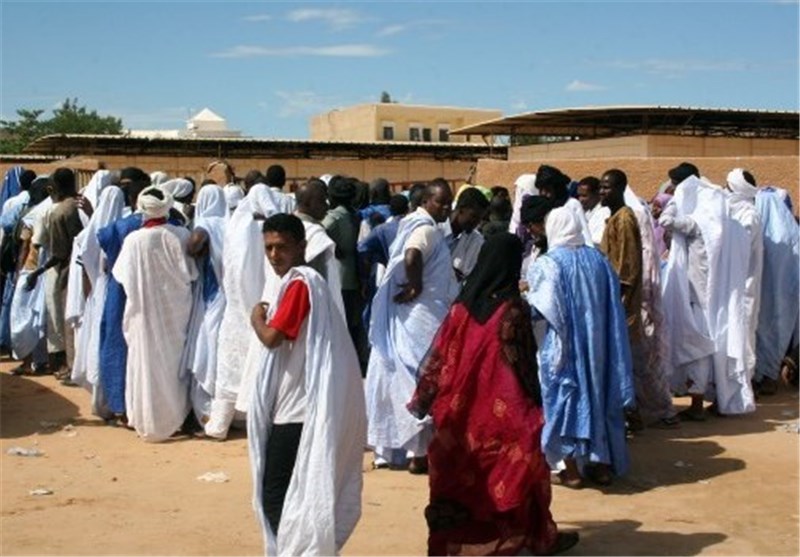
column 788, row 413
column 70, row 431
column 790, row 428
column 40, row 491
column 49, row 425
column 21, row 451
column 682, row 464
column 704, row 482
column 214, row 477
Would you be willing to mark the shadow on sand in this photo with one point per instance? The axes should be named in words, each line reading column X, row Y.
column 29, row 406
column 623, row 537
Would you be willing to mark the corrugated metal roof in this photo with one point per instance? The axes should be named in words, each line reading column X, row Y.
column 607, row 121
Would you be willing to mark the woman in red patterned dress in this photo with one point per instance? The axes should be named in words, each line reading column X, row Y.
column 489, row 481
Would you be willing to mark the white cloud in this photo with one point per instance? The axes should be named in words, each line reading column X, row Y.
column 257, row 18
column 299, row 103
column 342, row 50
column 675, row 68
column 337, row 19
column 580, row 86
column 390, row 30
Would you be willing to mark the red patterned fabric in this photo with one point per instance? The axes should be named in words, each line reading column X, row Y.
column 489, row 482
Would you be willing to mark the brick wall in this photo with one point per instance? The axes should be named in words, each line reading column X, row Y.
column 645, row 175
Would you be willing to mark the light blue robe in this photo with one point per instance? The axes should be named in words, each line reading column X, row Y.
column 780, row 284
column 585, row 365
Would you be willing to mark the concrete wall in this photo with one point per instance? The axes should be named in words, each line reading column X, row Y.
column 365, row 122
column 646, row 174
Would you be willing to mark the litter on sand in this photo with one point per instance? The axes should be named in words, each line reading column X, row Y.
column 21, row 451
column 214, row 477
column 40, row 491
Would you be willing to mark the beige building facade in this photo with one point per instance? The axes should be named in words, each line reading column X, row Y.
column 398, row 122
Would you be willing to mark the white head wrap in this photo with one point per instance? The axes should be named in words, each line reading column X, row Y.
column 100, row 180
column 177, row 187
column 233, row 195
column 151, row 206
column 211, row 202
column 157, row 178
column 524, row 185
column 563, row 228
column 109, row 208
column 740, row 186
column 326, row 178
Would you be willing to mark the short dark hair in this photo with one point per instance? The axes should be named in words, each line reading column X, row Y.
column 500, row 206
column 415, row 195
column 276, row 176
column 617, row 177
column 472, row 198
column 26, row 179
column 398, row 205
column 433, row 186
column 252, row 178
column 499, row 191
column 683, row 171
column 592, row 182
column 284, row 223
column 63, row 180
column 379, row 191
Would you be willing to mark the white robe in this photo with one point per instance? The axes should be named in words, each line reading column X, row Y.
column 317, row 242
column 596, row 219
column 323, row 500
column 466, row 249
column 156, row 273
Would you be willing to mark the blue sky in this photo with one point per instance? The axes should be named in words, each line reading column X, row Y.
column 268, row 66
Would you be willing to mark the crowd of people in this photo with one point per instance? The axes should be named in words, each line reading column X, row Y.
column 495, row 345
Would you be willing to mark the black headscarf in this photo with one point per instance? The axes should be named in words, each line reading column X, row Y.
column 495, row 277
column 534, row 209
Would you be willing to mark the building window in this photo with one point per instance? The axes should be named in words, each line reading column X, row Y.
column 444, row 133
column 388, row 132
column 413, row 134
column 426, row 134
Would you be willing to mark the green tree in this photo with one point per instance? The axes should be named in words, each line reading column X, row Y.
column 386, row 97
column 68, row 118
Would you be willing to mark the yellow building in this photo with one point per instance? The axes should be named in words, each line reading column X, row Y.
column 397, row 122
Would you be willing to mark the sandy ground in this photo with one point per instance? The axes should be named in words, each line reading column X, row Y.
column 723, row 487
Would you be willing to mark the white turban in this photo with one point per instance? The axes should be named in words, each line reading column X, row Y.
column 152, row 206
column 100, row 180
column 562, row 226
column 739, row 185
column 211, row 202
column 157, row 178
column 233, row 195
column 177, row 187
column 524, row 185
column 326, row 178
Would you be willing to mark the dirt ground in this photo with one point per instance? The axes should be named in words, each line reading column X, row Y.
column 723, row 487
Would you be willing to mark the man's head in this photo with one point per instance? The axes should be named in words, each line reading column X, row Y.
column 276, row 176
column 252, row 178
column 63, row 183
column 500, row 208
column 589, row 192
column 379, row 192
column 415, row 194
column 39, row 190
column 533, row 212
column 437, row 199
column 132, row 181
column 552, row 183
column 470, row 209
column 312, row 199
column 284, row 242
column 341, row 191
column 500, row 191
column 681, row 172
column 612, row 188
column 26, row 179
column 398, row 205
